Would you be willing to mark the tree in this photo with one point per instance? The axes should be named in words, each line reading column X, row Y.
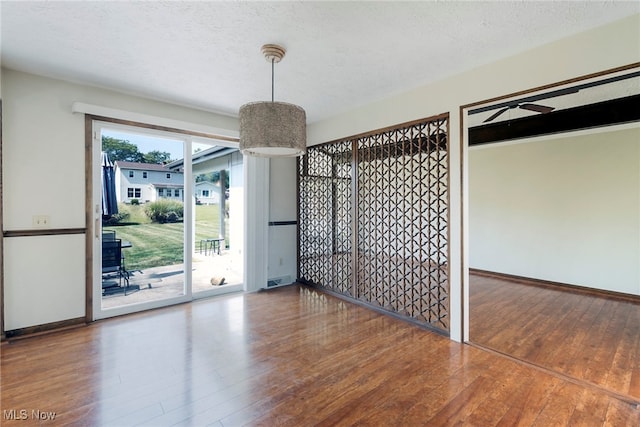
column 157, row 157
column 120, row 149
column 213, row 177
column 123, row 150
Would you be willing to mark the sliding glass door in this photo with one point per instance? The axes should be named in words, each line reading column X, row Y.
column 163, row 233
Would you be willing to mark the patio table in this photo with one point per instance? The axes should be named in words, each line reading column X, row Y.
column 210, row 245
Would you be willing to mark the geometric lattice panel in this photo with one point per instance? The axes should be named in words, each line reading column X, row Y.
column 374, row 219
column 324, row 200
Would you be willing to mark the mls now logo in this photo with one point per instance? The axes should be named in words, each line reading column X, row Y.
column 23, row 414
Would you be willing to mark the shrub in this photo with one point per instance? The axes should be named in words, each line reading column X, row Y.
column 122, row 216
column 172, row 217
column 135, row 201
column 164, row 210
column 115, row 218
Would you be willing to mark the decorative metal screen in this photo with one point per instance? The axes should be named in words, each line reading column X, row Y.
column 325, row 217
column 390, row 191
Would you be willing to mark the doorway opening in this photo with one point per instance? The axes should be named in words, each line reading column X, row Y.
column 551, row 226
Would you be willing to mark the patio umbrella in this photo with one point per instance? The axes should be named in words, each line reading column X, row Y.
column 109, row 201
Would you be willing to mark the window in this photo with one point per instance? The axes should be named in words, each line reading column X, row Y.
column 168, row 176
column 133, row 192
column 205, row 193
column 176, row 192
column 137, row 192
column 144, row 175
column 129, row 192
column 130, row 174
column 161, row 192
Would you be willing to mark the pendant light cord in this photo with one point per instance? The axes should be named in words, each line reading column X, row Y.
column 272, row 80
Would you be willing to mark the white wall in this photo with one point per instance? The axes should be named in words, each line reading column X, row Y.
column 213, row 196
column 256, row 218
column 43, row 171
column 282, row 207
column 563, row 209
column 273, row 252
column 43, row 154
column 44, row 279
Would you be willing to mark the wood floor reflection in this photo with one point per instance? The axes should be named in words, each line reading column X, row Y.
column 585, row 336
column 287, row 356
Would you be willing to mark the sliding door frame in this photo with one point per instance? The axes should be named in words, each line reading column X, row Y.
column 92, row 123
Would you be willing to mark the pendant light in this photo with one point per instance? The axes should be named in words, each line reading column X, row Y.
column 273, row 129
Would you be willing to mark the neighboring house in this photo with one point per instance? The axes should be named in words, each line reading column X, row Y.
column 207, row 193
column 147, row 182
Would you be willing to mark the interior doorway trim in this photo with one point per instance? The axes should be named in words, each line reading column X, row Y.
column 464, row 172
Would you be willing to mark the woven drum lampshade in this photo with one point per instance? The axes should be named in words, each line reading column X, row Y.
column 270, row 129
column 273, row 129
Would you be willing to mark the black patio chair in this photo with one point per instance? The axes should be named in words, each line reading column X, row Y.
column 113, row 262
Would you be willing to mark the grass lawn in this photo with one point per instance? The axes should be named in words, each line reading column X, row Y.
column 155, row 245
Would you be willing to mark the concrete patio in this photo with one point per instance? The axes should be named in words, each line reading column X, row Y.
column 168, row 281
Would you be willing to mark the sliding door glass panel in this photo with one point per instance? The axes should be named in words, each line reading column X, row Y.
column 144, row 213
column 218, row 215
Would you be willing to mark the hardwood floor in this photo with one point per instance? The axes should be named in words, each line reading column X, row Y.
column 584, row 336
column 287, row 356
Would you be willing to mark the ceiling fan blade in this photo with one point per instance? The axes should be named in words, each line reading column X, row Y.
column 537, row 108
column 496, row 114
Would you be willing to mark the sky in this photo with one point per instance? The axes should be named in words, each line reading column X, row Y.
column 147, row 143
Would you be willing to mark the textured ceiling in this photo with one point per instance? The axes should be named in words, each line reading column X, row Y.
column 339, row 54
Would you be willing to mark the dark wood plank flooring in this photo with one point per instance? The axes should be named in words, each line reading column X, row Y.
column 586, row 336
column 289, row 356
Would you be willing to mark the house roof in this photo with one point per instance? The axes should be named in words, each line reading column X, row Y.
column 208, row 183
column 161, row 185
column 214, row 152
column 143, row 166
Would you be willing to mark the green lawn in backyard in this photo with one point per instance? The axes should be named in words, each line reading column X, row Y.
column 155, row 245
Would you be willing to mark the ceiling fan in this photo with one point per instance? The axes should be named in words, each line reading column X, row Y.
column 525, row 106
